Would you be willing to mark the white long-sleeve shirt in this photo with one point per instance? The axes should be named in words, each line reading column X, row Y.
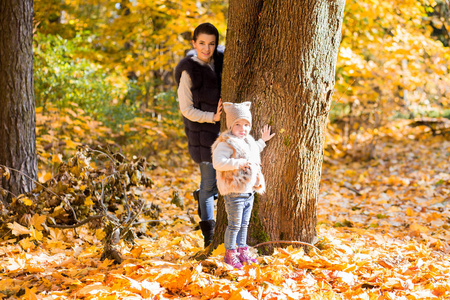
column 186, row 101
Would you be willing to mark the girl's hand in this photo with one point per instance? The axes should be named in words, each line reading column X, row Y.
column 266, row 133
column 244, row 165
column 218, row 112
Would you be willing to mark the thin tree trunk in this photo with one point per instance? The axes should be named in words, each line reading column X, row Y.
column 281, row 55
column 17, row 114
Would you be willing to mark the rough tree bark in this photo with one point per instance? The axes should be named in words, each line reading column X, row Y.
column 281, row 55
column 17, row 114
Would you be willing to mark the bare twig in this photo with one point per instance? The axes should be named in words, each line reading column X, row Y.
column 101, row 152
column 8, row 232
column 126, row 202
column 287, row 242
column 132, row 219
column 102, row 196
column 87, row 220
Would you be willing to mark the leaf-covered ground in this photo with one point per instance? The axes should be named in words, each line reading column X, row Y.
column 383, row 229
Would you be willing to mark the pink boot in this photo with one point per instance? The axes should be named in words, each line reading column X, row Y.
column 244, row 256
column 231, row 259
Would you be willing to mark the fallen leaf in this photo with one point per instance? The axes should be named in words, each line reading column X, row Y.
column 18, row 229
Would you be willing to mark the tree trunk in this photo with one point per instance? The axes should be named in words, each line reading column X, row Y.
column 281, row 56
column 17, row 114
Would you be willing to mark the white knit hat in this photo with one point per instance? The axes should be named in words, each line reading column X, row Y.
column 237, row 111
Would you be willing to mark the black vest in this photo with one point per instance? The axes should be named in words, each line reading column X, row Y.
column 205, row 95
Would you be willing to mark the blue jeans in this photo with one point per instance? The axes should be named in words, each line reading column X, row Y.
column 208, row 189
column 239, row 210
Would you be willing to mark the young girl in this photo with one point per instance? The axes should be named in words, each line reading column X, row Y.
column 236, row 157
column 199, row 80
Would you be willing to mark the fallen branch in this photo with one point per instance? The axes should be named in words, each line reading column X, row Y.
column 436, row 125
column 348, row 186
column 287, row 242
column 147, row 221
column 87, row 220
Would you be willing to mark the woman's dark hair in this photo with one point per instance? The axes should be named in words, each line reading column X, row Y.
column 208, row 28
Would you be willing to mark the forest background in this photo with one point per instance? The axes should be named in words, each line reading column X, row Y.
column 104, row 78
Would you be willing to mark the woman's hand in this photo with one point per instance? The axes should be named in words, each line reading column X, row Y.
column 266, row 133
column 218, row 112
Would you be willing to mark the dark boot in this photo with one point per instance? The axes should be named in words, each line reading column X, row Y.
column 207, row 228
column 197, row 198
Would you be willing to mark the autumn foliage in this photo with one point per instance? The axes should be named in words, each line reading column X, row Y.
column 383, row 232
column 114, row 174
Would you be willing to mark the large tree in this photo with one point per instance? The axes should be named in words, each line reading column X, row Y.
column 281, row 55
column 17, row 114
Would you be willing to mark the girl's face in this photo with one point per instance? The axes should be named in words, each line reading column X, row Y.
column 205, row 46
column 241, row 128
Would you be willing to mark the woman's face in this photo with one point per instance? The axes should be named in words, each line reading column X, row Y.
column 205, row 45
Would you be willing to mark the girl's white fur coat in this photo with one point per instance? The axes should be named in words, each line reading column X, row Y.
column 228, row 152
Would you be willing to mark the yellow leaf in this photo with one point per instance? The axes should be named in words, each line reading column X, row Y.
column 78, row 130
column 30, row 294
column 34, row 268
column 242, row 294
column 176, row 241
column 18, row 229
column 26, row 244
column 94, row 289
column 219, row 250
column 136, row 252
column 410, row 212
column 88, row 201
column 75, row 170
column 27, row 201
column 57, row 158
column 100, row 234
column 120, row 210
column 418, row 228
column 71, row 144
column 37, row 221
column 350, row 172
column 47, row 176
column 37, row 235
column 106, row 263
column 58, row 211
column 14, row 264
column 57, row 234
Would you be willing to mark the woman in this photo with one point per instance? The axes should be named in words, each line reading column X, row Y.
column 199, row 80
